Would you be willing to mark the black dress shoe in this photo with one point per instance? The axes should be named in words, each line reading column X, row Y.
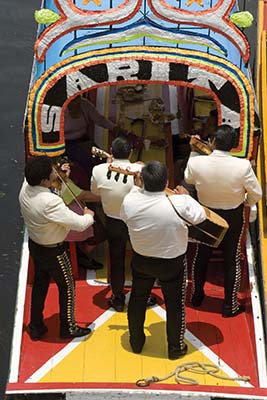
column 151, row 301
column 37, row 333
column 197, row 300
column 137, row 345
column 65, row 333
column 227, row 312
column 175, row 353
column 117, row 303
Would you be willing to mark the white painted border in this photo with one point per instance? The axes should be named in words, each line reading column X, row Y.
column 19, row 311
column 131, row 392
column 257, row 317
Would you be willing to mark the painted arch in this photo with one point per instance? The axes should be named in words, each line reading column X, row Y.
column 224, row 81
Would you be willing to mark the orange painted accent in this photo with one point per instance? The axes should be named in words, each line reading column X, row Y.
column 190, row 2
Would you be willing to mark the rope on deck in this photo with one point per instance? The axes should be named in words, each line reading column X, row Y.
column 195, row 367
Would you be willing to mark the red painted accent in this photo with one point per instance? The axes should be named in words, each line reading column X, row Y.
column 265, row 15
column 73, row 258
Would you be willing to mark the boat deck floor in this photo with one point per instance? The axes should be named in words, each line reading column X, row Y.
column 104, row 359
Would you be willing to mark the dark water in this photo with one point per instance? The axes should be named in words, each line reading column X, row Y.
column 17, row 36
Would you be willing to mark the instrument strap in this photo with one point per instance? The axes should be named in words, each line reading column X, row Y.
column 189, row 223
column 177, row 212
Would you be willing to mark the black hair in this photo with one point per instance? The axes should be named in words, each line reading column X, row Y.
column 121, row 147
column 225, row 138
column 37, row 169
column 155, row 176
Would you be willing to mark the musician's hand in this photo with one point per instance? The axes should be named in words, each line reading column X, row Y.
column 88, row 211
column 138, row 181
column 109, row 159
column 211, row 144
column 180, row 190
column 66, row 169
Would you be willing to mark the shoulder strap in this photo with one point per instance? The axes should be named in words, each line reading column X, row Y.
column 177, row 212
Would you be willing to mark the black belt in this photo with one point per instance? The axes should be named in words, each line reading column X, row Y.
column 52, row 245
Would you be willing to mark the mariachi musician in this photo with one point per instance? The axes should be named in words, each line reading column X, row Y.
column 159, row 239
column 223, row 183
column 112, row 188
column 48, row 221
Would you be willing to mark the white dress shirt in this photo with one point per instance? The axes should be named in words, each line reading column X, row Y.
column 46, row 217
column 223, row 181
column 155, row 229
column 112, row 192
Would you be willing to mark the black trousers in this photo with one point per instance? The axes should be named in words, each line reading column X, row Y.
column 172, row 276
column 117, row 233
column 231, row 247
column 52, row 263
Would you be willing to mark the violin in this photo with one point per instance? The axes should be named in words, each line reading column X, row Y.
column 199, row 145
column 62, row 176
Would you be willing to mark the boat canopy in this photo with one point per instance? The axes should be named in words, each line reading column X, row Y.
column 88, row 44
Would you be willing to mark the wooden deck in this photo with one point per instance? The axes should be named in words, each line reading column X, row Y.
column 104, row 359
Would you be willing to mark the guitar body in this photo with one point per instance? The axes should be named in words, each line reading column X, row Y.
column 209, row 232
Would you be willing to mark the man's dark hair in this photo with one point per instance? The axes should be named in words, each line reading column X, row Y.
column 155, row 176
column 37, row 169
column 225, row 138
column 121, row 147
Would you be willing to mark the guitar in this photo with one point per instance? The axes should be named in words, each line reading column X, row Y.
column 96, row 152
column 119, row 171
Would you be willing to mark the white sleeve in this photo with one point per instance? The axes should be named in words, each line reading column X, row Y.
column 122, row 212
column 56, row 211
column 94, row 188
column 188, row 173
column 252, row 186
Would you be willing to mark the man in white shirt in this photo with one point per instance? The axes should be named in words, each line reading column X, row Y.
column 159, row 240
column 48, row 221
column 112, row 192
column 223, row 183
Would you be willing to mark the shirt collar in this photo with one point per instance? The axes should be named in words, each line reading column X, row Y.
column 121, row 161
column 220, row 153
column 155, row 194
column 39, row 188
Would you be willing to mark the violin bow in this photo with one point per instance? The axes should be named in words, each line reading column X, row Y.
column 66, row 185
column 69, row 189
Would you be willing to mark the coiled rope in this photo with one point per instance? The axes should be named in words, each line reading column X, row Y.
column 195, row 367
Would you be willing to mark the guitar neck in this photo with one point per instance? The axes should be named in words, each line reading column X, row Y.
column 122, row 171
column 99, row 153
